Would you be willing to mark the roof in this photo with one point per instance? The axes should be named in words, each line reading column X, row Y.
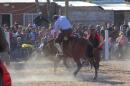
column 76, row 3
column 121, row 6
column 107, row 1
column 21, row 1
column 61, row 3
column 105, row 6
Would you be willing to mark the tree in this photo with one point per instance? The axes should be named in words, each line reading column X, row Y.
column 37, row 6
column 40, row 20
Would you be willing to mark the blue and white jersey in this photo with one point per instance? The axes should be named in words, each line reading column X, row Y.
column 62, row 23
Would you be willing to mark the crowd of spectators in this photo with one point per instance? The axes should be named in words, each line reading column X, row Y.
column 119, row 36
column 23, row 35
column 32, row 35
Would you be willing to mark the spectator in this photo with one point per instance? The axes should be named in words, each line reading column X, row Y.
column 128, row 33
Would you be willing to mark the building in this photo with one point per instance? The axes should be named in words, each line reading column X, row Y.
column 87, row 13
column 97, row 11
column 22, row 11
column 94, row 12
column 119, row 8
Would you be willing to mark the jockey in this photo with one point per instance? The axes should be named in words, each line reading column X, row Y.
column 62, row 24
column 95, row 39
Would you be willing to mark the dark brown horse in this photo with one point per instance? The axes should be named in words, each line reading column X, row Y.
column 75, row 48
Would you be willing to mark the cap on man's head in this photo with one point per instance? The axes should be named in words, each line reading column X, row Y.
column 121, row 33
column 55, row 17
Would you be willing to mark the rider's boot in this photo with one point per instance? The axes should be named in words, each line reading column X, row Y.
column 58, row 46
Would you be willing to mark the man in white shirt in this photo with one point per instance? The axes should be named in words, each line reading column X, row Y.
column 62, row 24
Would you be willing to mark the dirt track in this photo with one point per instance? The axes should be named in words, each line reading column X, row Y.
column 40, row 73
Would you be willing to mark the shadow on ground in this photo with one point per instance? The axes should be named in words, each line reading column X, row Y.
column 102, row 79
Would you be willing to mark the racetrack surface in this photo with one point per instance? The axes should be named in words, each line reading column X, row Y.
column 39, row 72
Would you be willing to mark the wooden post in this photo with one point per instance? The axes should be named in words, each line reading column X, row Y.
column 66, row 7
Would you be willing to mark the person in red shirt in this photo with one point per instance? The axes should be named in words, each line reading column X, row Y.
column 96, row 42
column 5, row 79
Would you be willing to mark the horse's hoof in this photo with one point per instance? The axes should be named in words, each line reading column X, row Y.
column 95, row 79
column 75, row 74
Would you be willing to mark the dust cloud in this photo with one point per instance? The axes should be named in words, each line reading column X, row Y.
column 39, row 68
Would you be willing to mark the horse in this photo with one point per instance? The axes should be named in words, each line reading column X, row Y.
column 75, row 48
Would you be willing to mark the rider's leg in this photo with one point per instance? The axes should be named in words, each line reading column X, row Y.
column 60, row 39
column 58, row 44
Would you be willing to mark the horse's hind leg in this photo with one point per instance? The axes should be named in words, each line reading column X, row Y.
column 65, row 62
column 96, row 66
column 79, row 66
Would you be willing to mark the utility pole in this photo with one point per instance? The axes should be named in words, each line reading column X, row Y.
column 37, row 6
column 48, row 9
column 66, row 7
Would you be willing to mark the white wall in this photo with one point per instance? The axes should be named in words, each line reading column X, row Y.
column 91, row 16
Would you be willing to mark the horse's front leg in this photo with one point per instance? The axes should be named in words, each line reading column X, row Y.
column 56, row 62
